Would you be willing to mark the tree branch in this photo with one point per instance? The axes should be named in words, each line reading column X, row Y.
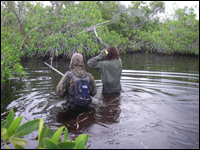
column 34, row 29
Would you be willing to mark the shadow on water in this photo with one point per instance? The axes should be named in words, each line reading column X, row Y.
column 77, row 121
column 158, row 106
column 106, row 112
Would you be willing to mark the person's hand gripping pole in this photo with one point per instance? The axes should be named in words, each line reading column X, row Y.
column 103, row 53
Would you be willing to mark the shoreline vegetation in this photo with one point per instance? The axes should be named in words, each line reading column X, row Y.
column 31, row 30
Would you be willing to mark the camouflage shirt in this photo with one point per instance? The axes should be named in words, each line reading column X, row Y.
column 66, row 85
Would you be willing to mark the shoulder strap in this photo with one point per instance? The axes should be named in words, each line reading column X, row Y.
column 70, row 73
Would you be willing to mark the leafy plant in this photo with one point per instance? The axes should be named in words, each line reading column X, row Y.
column 11, row 132
column 10, row 57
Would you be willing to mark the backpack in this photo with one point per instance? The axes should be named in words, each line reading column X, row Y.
column 82, row 90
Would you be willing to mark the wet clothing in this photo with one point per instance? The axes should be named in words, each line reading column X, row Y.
column 110, row 73
column 66, row 86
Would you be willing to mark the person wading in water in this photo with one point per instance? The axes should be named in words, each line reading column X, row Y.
column 77, row 84
column 110, row 65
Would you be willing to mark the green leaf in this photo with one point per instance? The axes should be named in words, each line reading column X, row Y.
column 26, row 128
column 80, row 145
column 43, row 135
column 66, row 135
column 66, row 145
column 83, row 137
column 10, row 117
column 40, row 128
column 57, row 135
column 18, row 146
column 49, row 144
column 4, row 134
column 18, row 141
column 4, row 124
column 7, row 147
column 14, row 125
column 50, row 133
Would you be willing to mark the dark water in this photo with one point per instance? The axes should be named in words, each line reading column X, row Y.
column 157, row 108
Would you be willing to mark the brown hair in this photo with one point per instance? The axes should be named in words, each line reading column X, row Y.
column 112, row 53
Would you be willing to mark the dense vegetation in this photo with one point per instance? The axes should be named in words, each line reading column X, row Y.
column 29, row 30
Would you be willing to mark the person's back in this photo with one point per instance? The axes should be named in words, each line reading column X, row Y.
column 77, row 84
column 111, row 69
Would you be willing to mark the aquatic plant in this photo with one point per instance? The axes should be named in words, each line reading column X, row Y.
column 11, row 132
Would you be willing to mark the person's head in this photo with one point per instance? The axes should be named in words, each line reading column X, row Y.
column 113, row 53
column 76, row 61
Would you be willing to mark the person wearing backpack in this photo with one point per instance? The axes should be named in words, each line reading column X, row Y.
column 108, row 62
column 77, row 84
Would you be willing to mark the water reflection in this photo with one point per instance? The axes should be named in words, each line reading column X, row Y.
column 109, row 110
column 106, row 113
column 77, row 120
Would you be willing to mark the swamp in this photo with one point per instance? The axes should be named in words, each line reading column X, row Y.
column 158, row 106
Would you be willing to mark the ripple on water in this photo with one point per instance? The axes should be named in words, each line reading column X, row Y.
column 154, row 110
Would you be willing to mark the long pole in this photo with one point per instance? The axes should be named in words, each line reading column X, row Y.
column 54, row 69
column 95, row 32
column 92, row 27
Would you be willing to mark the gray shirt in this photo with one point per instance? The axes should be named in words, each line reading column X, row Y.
column 110, row 73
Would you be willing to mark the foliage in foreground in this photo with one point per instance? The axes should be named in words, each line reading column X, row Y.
column 11, row 132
